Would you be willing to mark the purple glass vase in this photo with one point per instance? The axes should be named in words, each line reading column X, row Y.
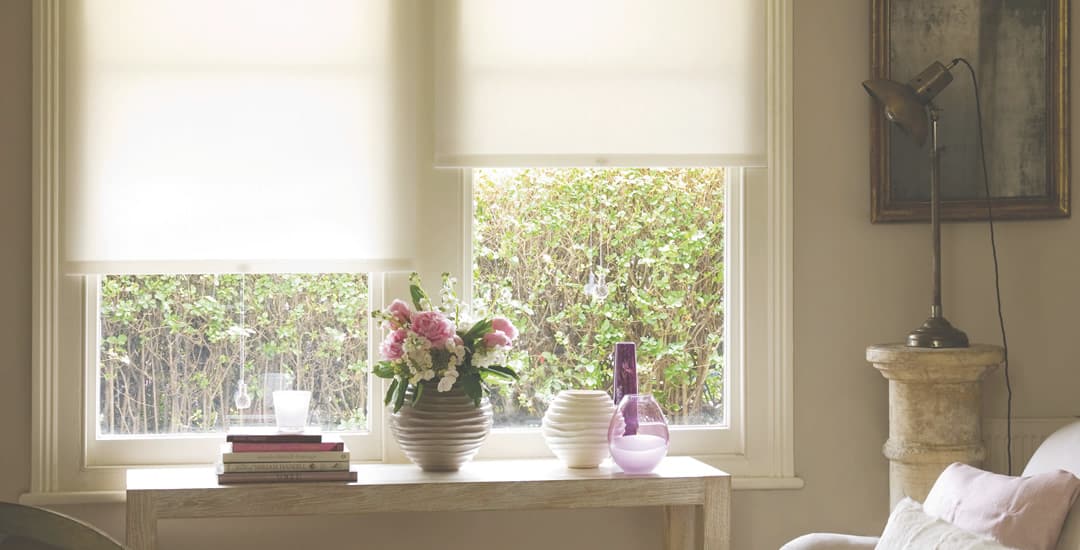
column 638, row 434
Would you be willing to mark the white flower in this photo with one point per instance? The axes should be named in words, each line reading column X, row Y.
column 419, row 375
column 415, row 343
column 417, row 352
column 489, row 357
column 447, row 381
column 457, row 352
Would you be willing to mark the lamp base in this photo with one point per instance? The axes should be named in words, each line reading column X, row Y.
column 936, row 332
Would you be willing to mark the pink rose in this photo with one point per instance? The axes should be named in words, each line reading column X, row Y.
column 434, row 326
column 400, row 313
column 391, row 348
column 496, row 339
column 458, row 342
column 503, row 324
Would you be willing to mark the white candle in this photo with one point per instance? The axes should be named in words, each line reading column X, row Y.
column 291, row 410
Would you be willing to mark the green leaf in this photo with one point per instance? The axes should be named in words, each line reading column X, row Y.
column 419, row 297
column 399, row 399
column 501, row 372
column 481, row 327
column 471, row 386
column 384, row 369
column 416, row 394
column 390, row 392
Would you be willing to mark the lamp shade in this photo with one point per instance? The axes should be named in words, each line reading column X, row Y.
column 902, row 107
column 905, row 104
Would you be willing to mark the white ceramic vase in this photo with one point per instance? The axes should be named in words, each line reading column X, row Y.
column 575, row 427
column 444, row 431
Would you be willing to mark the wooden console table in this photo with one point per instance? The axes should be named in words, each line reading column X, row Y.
column 696, row 497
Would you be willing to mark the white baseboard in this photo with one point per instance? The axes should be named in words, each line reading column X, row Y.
column 1027, row 435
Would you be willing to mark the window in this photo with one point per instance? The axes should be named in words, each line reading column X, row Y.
column 306, row 182
column 202, row 353
column 583, row 258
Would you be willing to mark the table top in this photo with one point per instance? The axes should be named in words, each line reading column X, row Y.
column 479, row 471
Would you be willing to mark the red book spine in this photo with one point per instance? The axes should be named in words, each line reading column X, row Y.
column 287, row 447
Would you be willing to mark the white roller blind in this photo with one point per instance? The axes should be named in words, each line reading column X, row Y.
column 586, row 82
column 239, row 135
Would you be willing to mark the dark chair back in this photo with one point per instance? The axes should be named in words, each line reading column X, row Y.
column 31, row 528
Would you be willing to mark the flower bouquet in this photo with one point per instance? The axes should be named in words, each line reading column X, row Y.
column 438, row 346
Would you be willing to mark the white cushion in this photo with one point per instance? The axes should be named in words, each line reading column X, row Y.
column 910, row 528
column 1022, row 512
column 831, row 541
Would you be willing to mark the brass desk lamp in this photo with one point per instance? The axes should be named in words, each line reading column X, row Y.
column 907, row 106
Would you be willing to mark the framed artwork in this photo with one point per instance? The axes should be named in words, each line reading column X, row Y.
column 1019, row 50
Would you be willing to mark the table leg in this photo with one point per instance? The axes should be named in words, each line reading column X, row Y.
column 141, row 521
column 680, row 526
column 717, row 512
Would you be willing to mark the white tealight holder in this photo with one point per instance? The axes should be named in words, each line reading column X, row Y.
column 291, row 409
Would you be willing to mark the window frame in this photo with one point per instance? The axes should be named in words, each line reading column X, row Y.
column 761, row 456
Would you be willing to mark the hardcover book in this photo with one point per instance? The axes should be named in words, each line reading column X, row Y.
column 319, row 456
column 245, row 447
column 241, row 467
column 278, row 477
column 273, row 438
column 282, row 456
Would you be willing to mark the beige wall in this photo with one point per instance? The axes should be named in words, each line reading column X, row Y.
column 855, row 284
column 15, row 246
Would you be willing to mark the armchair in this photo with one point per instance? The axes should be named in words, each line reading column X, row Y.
column 1060, row 451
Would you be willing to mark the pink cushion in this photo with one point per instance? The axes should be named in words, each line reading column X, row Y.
column 1021, row 512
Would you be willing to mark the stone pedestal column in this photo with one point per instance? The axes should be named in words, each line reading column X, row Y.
column 934, row 411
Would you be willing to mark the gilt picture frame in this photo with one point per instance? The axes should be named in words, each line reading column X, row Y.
column 1020, row 53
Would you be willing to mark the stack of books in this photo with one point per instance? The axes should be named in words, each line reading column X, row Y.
column 276, row 458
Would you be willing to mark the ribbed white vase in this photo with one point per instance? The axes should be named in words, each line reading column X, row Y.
column 442, row 432
column 575, row 427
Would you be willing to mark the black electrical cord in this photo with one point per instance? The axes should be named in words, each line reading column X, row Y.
column 993, row 248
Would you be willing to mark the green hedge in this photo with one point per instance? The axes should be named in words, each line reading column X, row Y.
column 171, row 348
column 539, row 232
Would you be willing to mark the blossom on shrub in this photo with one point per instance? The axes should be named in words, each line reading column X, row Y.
column 440, row 345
